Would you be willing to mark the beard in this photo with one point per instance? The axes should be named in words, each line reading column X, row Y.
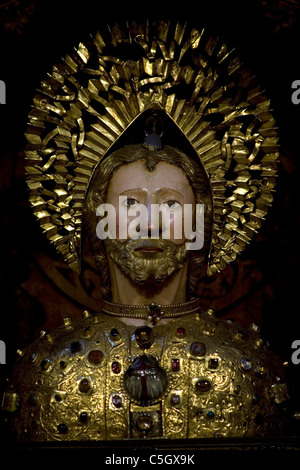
column 142, row 266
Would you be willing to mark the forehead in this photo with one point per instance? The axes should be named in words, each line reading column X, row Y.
column 136, row 175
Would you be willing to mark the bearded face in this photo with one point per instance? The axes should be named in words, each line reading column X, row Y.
column 167, row 178
column 151, row 257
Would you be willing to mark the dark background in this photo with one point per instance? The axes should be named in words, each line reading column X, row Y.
column 37, row 289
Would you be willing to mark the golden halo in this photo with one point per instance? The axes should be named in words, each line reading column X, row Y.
column 95, row 93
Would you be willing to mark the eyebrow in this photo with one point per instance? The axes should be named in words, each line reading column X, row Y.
column 158, row 190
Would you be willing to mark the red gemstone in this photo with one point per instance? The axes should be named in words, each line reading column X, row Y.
column 116, row 367
column 175, row 365
column 180, row 331
column 95, row 356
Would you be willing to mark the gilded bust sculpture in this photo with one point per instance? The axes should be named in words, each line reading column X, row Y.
column 150, row 363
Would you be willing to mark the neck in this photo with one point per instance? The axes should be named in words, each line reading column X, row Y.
column 124, row 291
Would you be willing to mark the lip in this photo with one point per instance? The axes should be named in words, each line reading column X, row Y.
column 148, row 246
column 149, row 249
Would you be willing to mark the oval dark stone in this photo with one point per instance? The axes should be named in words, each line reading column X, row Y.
column 117, row 401
column 116, row 367
column 95, row 357
column 62, row 428
column 114, row 333
column 32, row 400
column 83, row 417
column 45, row 364
column 198, row 348
column 256, row 398
column 84, row 385
column 203, row 385
column 213, row 363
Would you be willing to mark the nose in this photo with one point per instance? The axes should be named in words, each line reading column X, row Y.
column 154, row 225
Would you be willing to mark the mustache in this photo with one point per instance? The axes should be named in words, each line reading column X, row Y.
column 139, row 244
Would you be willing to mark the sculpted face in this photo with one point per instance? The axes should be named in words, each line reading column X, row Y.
column 150, row 257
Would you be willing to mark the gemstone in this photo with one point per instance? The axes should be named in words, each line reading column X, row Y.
column 57, row 397
column 256, row 398
column 203, row 385
column 117, row 401
column 213, row 363
column 116, row 367
column 198, row 349
column 154, row 314
column 95, row 356
column 32, row 400
column 145, row 380
column 144, row 423
column 210, row 414
column 75, row 347
column 144, row 337
column 84, row 385
column 175, row 365
column 83, row 417
column 45, row 364
column 175, row 399
column 62, row 428
column 62, row 364
column 33, row 356
column 180, row 332
column 114, row 333
column 245, row 364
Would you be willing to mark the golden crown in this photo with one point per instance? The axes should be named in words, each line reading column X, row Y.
column 98, row 91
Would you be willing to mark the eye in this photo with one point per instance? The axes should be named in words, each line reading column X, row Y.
column 131, row 202
column 172, row 204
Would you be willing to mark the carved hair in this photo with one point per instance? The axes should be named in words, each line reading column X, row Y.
column 97, row 192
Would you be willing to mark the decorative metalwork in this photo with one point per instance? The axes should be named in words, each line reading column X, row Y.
column 93, row 96
column 100, row 387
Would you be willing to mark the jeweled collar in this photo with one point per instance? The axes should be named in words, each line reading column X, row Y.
column 153, row 312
